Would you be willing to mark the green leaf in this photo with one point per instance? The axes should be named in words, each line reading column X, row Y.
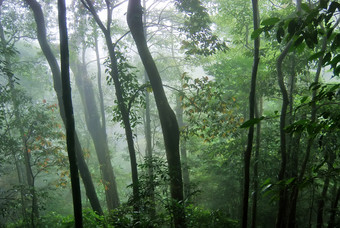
column 280, row 34
column 292, row 26
column 256, row 33
column 298, row 41
column 316, row 55
column 305, row 7
column 270, row 21
column 304, row 99
column 326, row 58
column 323, row 3
column 252, row 122
column 290, row 180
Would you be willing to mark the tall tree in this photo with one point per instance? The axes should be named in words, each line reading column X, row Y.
column 119, row 90
column 147, row 132
column 70, row 126
column 52, row 61
column 252, row 97
column 166, row 114
column 95, row 127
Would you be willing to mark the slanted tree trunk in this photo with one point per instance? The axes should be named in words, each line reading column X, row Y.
column 70, row 126
column 247, row 153
column 167, row 116
column 97, row 132
column 52, row 61
column 119, row 93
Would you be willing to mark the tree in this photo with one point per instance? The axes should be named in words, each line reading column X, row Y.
column 114, row 72
column 70, row 126
column 96, row 128
column 252, row 99
column 42, row 38
column 167, row 116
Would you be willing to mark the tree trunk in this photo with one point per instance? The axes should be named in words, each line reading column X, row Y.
column 70, row 126
column 295, row 191
column 100, row 89
column 333, row 211
column 167, row 116
column 148, row 138
column 282, row 212
column 258, row 114
column 97, row 132
column 83, row 169
column 247, row 153
column 119, row 94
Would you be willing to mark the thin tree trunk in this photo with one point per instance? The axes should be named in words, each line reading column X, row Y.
column 333, row 210
column 70, row 126
column 258, row 114
column 252, row 94
column 100, row 89
column 98, row 134
column 295, row 191
column 321, row 204
column 148, row 138
column 167, row 116
column 52, row 61
column 183, row 150
column 119, row 94
column 282, row 212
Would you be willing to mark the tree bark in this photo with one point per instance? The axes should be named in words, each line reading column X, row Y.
column 70, row 126
column 167, row 116
column 252, row 94
column 83, row 169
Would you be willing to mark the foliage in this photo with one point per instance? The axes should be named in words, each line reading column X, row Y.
column 305, row 28
column 208, row 109
column 199, row 38
column 133, row 92
column 199, row 217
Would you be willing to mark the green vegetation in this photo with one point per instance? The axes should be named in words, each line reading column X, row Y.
column 187, row 113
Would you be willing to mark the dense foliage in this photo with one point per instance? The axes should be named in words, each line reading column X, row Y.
column 204, row 53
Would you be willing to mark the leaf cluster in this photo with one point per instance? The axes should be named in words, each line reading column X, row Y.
column 208, row 109
column 199, row 38
column 131, row 89
column 305, row 29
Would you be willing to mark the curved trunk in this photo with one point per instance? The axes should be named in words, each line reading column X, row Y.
column 70, row 126
column 119, row 94
column 247, row 153
column 167, row 116
column 83, row 169
column 97, row 133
